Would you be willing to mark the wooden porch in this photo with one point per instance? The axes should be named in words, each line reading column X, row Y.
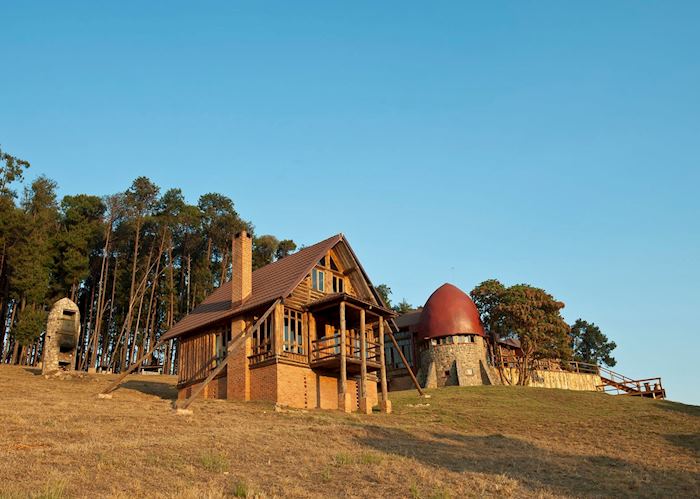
column 326, row 353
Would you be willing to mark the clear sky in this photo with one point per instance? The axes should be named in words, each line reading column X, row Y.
column 551, row 143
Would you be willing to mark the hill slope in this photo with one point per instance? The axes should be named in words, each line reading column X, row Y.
column 57, row 440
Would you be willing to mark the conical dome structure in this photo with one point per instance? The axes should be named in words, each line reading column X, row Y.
column 449, row 311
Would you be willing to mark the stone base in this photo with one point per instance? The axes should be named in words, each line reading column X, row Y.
column 385, row 406
column 365, row 406
column 345, row 402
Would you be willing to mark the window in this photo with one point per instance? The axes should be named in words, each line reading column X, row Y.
column 334, row 266
column 262, row 336
column 317, row 279
column 293, row 332
column 338, row 284
column 393, row 359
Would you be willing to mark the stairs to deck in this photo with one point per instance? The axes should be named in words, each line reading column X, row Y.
column 619, row 384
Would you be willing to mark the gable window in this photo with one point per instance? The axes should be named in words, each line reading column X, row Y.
column 293, row 333
column 338, row 284
column 317, row 280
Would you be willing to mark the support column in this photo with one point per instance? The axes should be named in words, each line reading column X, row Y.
column 365, row 404
column 385, row 403
column 344, row 401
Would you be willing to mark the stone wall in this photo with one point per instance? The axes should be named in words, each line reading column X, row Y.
column 62, row 334
column 462, row 364
column 564, row 380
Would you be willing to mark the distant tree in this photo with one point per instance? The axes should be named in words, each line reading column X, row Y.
column 80, row 233
column 384, row 292
column 403, row 307
column 285, row 248
column 264, row 249
column 30, row 325
column 11, row 170
column 529, row 314
column 589, row 344
column 487, row 296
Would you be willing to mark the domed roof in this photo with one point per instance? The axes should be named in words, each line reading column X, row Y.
column 449, row 311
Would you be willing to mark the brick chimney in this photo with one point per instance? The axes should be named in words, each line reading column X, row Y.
column 242, row 275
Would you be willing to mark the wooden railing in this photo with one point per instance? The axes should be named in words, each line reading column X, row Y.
column 258, row 358
column 329, row 347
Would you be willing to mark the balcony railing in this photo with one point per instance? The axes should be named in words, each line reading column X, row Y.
column 262, row 356
column 330, row 348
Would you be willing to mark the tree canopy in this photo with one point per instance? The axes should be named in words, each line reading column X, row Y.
column 589, row 344
column 528, row 314
column 135, row 262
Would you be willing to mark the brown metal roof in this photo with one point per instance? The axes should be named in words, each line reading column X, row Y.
column 270, row 282
column 408, row 319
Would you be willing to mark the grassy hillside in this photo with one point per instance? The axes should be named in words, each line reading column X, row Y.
column 59, row 440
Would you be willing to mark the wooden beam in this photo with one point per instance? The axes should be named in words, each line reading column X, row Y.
column 343, row 358
column 115, row 384
column 405, row 363
column 382, row 361
column 363, row 355
column 185, row 403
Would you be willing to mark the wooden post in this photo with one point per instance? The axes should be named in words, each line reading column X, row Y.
column 405, row 363
column 385, row 403
column 343, row 395
column 365, row 405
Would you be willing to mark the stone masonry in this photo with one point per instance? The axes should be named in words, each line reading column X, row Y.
column 62, row 335
column 454, row 364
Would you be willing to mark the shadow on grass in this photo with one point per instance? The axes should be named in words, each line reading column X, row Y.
column 532, row 466
column 36, row 371
column 159, row 389
column 688, row 441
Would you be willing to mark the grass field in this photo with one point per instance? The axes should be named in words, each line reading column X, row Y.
column 58, row 440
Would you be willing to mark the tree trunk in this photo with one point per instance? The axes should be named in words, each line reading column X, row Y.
column 102, row 289
column 129, row 314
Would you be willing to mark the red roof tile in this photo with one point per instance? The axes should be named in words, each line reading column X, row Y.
column 270, row 282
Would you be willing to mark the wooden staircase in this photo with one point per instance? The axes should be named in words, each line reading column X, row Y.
column 622, row 385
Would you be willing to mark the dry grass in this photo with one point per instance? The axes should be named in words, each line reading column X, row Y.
column 58, row 440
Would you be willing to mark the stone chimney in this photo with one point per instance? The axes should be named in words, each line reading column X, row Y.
column 242, row 275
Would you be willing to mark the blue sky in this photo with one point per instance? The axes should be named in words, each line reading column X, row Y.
column 552, row 143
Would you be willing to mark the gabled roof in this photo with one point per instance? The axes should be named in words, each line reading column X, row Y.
column 276, row 280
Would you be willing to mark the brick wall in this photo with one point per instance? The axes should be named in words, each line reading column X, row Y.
column 238, row 372
column 296, row 386
column 326, row 392
column 263, row 383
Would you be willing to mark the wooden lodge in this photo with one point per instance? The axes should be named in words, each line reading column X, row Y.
column 306, row 331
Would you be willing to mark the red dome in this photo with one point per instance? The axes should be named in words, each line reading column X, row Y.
column 449, row 311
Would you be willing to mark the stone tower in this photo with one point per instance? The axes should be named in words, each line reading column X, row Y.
column 452, row 348
column 62, row 336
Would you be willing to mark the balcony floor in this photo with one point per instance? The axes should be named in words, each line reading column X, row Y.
column 354, row 365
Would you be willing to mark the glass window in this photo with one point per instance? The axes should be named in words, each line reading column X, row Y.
column 293, row 332
column 317, row 279
column 338, row 284
column 262, row 336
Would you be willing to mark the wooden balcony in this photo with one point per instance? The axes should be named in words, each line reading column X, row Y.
column 326, row 353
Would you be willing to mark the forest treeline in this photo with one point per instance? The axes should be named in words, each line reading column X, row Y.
column 135, row 262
